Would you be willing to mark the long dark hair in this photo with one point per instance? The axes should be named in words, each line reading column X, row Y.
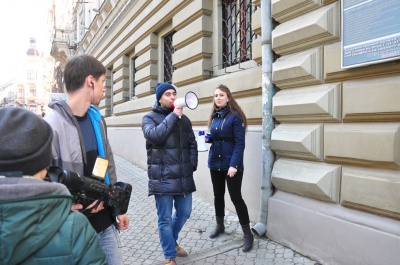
column 234, row 107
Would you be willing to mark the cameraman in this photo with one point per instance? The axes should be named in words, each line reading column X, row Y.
column 80, row 137
column 36, row 224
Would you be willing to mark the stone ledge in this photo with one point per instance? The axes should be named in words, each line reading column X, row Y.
column 373, row 145
column 201, row 27
column 363, row 101
column 283, row 10
column 311, row 104
column 302, row 141
column 121, row 85
column 199, row 49
column 374, row 191
column 191, row 12
column 192, row 73
column 147, row 73
column 309, row 179
column 301, row 69
column 316, row 28
column 121, row 74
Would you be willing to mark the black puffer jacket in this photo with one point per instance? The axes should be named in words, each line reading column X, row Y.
column 171, row 152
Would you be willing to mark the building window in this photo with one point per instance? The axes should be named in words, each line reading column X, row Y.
column 168, row 52
column 31, row 75
column 21, row 91
column 32, row 91
column 237, row 34
column 81, row 31
column 110, row 107
column 132, row 75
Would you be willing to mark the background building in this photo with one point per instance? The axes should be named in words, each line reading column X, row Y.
column 336, row 134
column 32, row 83
column 8, row 94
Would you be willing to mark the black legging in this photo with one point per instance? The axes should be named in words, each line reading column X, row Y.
column 234, row 187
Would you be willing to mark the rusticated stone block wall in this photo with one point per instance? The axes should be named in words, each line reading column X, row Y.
column 338, row 130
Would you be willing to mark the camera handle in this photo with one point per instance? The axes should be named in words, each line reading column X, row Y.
column 94, row 207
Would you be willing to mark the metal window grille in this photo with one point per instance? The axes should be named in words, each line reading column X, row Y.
column 237, row 34
column 168, row 52
column 134, row 70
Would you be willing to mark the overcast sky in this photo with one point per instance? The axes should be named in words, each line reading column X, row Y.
column 19, row 21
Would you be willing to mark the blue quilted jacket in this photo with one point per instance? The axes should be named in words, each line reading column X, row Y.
column 228, row 141
column 171, row 152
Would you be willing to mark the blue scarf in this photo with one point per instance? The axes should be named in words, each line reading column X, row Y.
column 95, row 118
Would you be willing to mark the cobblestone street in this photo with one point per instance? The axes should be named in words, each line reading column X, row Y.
column 141, row 244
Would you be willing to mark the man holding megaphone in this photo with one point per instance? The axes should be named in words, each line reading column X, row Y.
column 172, row 159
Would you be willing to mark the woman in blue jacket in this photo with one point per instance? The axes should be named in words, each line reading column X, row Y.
column 227, row 126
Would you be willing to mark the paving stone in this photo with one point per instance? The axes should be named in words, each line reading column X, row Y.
column 141, row 243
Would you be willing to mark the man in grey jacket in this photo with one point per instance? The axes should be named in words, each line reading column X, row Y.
column 172, row 159
column 36, row 223
column 80, row 137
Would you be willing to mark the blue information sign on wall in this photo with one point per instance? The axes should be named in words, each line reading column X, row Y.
column 370, row 31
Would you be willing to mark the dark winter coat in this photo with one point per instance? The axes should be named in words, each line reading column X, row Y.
column 38, row 227
column 228, row 141
column 171, row 152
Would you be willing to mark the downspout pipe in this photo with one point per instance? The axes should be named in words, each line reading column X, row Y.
column 268, row 157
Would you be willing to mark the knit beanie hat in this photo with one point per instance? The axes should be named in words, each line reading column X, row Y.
column 161, row 88
column 25, row 141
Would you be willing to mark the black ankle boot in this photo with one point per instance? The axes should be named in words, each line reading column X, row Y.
column 220, row 228
column 248, row 238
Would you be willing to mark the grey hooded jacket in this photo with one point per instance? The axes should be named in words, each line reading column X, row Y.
column 68, row 146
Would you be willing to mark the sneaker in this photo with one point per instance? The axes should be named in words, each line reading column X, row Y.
column 180, row 251
column 169, row 262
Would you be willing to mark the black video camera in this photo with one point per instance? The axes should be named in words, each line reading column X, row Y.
column 85, row 190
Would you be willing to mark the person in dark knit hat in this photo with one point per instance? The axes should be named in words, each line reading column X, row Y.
column 172, row 159
column 161, row 88
column 37, row 224
column 27, row 152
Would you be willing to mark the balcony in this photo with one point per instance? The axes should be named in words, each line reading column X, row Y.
column 62, row 45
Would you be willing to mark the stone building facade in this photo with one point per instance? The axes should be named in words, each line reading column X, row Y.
column 337, row 141
column 336, row 135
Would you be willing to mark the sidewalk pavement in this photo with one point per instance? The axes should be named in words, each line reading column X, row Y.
column 142, row 246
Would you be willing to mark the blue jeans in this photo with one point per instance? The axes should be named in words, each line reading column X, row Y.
column 169, row 225
column 111, row 244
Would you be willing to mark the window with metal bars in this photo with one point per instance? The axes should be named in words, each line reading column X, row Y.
column 168, row 52
column 133, row 72
column 237, row 34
